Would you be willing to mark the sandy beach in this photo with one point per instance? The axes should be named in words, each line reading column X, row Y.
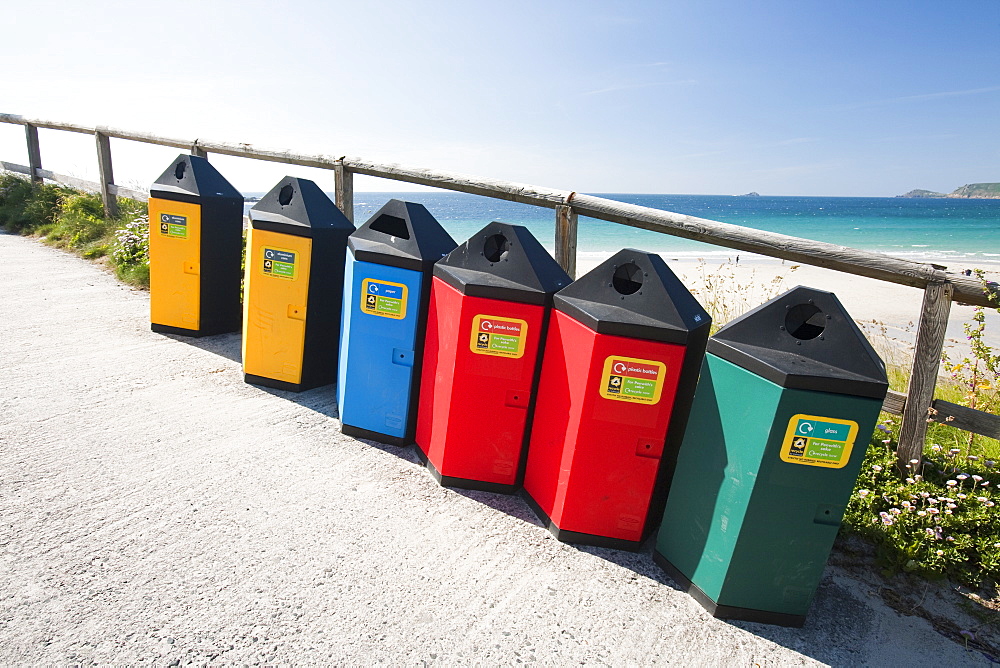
column 888, row 312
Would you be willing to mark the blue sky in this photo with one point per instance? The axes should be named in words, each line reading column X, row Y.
column 711, row 97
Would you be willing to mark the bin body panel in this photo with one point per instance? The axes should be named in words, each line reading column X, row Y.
column 747, row 528
column 472, row 420
column 594, row 455
column 175, row 263
column 275, row 304
column 381, row 314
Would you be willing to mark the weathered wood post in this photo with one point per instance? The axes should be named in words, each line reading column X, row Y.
column 198, row 151
column 566, row 228
column 344, row 189
column 923, row 377
column 34, row 152
column 106, row 173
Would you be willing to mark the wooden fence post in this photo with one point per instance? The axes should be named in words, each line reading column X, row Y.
column 198, row 151
column 566, row 227
column 923, row 377
column 344, row 189
column 106, row 173
column 34, row 152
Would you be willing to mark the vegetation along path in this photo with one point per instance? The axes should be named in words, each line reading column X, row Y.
column 153, row 507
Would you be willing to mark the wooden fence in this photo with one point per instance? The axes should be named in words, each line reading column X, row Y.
column 941, row 288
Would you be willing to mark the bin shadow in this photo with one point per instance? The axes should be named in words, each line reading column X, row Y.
column 224, row 345
column 322, row 399
column 509, row 504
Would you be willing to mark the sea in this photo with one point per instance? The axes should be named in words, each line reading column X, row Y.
column 958, row 233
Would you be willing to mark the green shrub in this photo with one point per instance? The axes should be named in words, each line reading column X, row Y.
column 79, row 221
column 938, row 521
column 44, row 205
column 15, row 194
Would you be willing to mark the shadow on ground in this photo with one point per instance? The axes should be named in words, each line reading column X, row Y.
column 224, row 345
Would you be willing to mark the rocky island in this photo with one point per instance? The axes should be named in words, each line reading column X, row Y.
column 968, row 191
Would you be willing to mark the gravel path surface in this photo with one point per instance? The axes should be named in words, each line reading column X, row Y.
column 156, row 509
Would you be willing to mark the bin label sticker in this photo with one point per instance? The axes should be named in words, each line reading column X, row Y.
column 634, row 380
column 494, row 335
column 818, row 441
column 279, row 263
column 173, row 226
column 384, row 299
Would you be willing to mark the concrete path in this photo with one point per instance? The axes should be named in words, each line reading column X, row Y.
column 156, row 509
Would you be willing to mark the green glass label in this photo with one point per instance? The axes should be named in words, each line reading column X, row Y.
column 828, row 450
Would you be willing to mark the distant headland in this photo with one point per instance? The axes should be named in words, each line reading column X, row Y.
column 969, row 191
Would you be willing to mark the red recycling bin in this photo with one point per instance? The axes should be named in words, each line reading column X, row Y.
column 488, row 312
column 622, row 355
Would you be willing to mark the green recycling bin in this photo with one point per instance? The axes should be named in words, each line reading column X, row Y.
column 788, row 397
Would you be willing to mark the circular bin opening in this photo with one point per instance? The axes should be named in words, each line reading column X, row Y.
column 496, row 247
column 627, row 279
column 179, row 170
column 285, row 195
column 805, row 321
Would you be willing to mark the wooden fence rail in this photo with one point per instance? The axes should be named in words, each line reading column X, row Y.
column 940, row 287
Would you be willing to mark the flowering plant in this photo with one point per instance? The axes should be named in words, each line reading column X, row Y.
column 938, row 521
column 131, row 245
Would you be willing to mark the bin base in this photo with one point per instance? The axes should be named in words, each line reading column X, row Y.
column 463, row 483
column 167, row 329
column 726, row 611
column 263, row 381
column 577, row 538
column 376, row 436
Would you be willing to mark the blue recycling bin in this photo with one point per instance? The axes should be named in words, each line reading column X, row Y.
column 387, row 281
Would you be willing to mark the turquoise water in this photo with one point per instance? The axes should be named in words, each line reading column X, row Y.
column 957, row 230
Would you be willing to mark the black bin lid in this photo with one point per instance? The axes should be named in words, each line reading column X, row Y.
column 402, row 234
column 503, row 261
column 804, row 339
column 635, row 294
column 297, row 207
column 191, row 176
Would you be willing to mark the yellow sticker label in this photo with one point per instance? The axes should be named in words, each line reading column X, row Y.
column 634, row 380
column 279, row 263
column 384, row 299
column 818, row 441
column 503, row 337
column 173, row 225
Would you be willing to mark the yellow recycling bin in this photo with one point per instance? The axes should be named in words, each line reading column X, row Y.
column 296, row 248
column 195, row 242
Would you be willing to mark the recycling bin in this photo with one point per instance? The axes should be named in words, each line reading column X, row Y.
column 293, row 287
column 788, row 397
column 387, row 285
column 621, row 362
column 489, row 306
column 195, row 244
